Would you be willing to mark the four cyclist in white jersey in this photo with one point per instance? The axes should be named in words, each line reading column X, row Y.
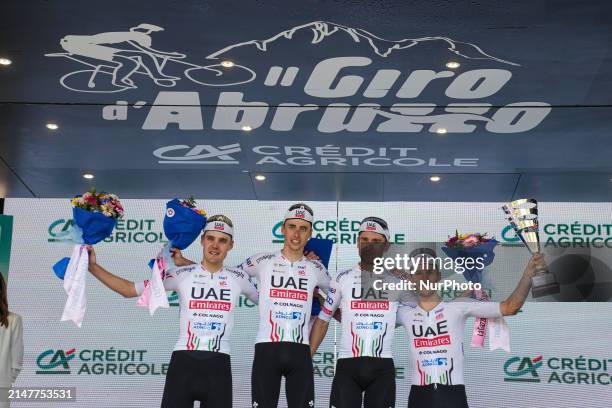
column 288, row 281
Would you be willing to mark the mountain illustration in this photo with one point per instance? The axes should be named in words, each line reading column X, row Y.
column 322, row 30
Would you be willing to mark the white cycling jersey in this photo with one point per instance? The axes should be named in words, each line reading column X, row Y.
column 286, row 294
column 206, row 304
column 368, row 315
column 436, row 338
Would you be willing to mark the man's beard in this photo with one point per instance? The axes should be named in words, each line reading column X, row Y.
column 370, row 251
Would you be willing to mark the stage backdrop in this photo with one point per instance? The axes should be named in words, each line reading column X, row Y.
column 560, row 351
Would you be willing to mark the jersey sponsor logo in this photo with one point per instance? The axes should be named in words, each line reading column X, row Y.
column 440, row 316
column 443, row 351
column 301, row 272
column 288, row 315
column 289, row 294
column 181, row 270
column 370, row 304
column 439, row 329
column 223, row 283
column 434, row 342
column 289, row 282
column 289, row 304
column 208, row 315
column 332, row 290
column 236, row 273
column 370, row 293
column 211, row 293
column 370, row 226
column 370, row 315
column 219, row 226
column 206, row 326
column 210, row 305
column 369, row 326
column 264, row 257
column 440, row 361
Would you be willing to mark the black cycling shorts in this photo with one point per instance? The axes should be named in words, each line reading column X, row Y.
column 437, row 396
column 367, row 380
column 203, row 376
column 276, row 360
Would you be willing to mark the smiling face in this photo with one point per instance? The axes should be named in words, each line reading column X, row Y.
column 296, row 233
column 216, row 245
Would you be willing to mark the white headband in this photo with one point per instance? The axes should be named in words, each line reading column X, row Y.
column 300, row 213
column 373, row 226
column 219, row 226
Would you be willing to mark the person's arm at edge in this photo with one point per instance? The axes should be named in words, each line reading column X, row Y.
column 317, row 334
column 16, row 348
column 515, row 301
column 117, row 284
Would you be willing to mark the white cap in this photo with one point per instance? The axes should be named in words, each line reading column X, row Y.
column 300, row 213
column 219, row 226
column 374, row 224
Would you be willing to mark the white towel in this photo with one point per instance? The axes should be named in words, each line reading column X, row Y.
column 74, row 285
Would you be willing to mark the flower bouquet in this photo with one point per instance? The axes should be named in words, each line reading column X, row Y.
column 478, row 246
column 183, row 223
column 95, row 215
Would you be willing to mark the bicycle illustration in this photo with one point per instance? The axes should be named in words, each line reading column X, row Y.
column 111, row 69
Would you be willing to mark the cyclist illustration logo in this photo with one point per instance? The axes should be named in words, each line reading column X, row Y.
column 114, row 58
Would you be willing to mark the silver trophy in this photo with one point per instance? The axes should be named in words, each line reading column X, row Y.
column 523, row 217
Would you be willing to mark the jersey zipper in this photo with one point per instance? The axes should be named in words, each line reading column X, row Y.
column 435, row 366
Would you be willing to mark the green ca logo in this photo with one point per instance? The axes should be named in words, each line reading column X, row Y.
column 508, row 234
column 58, row 362
column 59, row 228
column 279, row 238
column 526, row 370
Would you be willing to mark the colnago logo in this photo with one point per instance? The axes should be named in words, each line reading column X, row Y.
column 369, row 326
column 198, row 154
column 433, row 342
column 369, row 304
column 55, row 361
column 522, row 369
